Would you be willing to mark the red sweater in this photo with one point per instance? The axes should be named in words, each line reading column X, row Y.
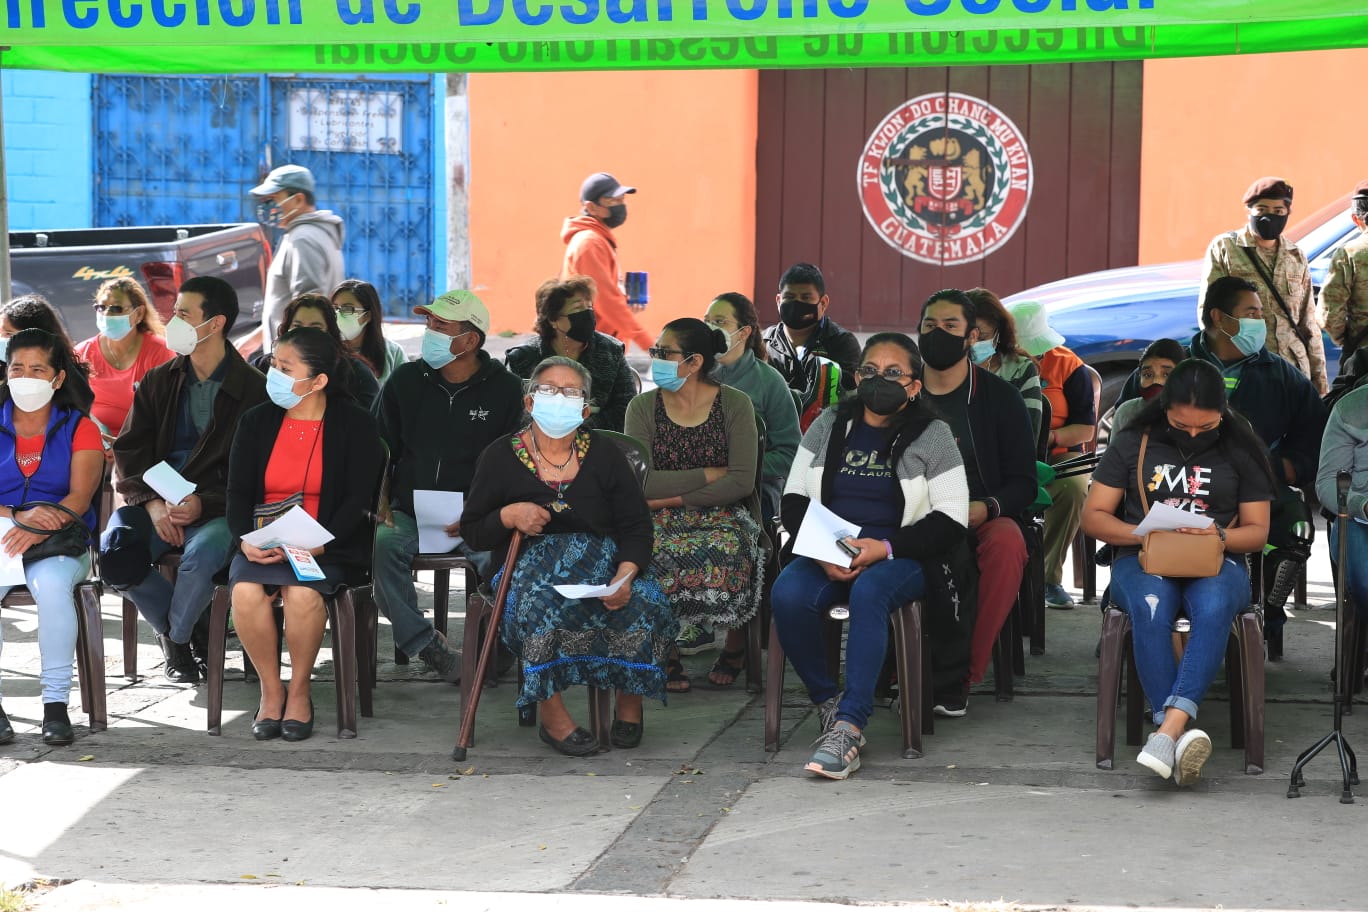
column 591, row 250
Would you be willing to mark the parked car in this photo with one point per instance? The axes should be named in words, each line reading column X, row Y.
column 66, row 266
column 1109, row 317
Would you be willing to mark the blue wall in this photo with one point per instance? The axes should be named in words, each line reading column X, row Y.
column 48, row 149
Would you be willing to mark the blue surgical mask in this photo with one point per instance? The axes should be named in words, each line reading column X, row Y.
column 113, row 326
column 1251, row 336
column 4, row 348
column 982, row 350
column 557, row 415
column 437, row 348
column 665, row 374
column 280, row 387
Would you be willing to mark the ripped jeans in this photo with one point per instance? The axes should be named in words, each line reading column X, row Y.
column 1153, row 603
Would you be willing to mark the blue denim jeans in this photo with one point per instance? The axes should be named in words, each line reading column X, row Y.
column 1153, row 603
column 52, row 581
column 1357, row 554
column 799, row 600
column 392, row 575
column 130, row 545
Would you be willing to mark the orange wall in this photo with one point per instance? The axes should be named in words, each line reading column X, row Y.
column 1214, row 125
column 685, row 140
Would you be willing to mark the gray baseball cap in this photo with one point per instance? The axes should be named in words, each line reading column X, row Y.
column 287, row 177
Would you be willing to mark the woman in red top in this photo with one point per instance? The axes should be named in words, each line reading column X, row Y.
column 310, row 442
column 49, row 451
column 129, row 344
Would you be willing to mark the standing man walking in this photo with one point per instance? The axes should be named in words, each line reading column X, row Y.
column 309, row 257
column 1258, row 253
column 591, row 250
column 1345, row 295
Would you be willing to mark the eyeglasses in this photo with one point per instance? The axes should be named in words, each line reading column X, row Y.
column 112, row 310
column 664, row 353
column 550, row 389
column 349, row 311
column 869, row 372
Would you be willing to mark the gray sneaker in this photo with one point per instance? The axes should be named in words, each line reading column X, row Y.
column 442, row 659
column 1157, row 756
column 838, row 752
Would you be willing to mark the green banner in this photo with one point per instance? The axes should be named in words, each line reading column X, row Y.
column 224, row 36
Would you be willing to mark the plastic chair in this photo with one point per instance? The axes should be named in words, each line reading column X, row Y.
column 90, row 661
column 1244, row 673
column 1083, row 552
column 914, row 680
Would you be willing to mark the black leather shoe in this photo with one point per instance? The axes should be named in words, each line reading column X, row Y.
column 57, row 730
column 180, row 667
column 6, row 730
column 579, row 743
column 267, row 729
column 626, row 735
column 294, row 730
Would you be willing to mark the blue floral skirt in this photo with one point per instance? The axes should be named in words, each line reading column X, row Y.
column 565, row 641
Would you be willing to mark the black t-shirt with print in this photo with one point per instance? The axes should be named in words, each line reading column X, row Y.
column 1213, row 483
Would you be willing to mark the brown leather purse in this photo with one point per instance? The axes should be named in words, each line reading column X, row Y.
column 1176, row 554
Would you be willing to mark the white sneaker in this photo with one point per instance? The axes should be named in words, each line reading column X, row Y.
column 1191, row 754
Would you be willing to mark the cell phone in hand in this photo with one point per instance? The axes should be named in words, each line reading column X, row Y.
column 849, row 549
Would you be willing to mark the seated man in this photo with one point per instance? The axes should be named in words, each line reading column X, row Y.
column 993, row 431
column 184, row 413
column 815, row 356
column 1073, row 422
column 1287, row 414
column 437, row 415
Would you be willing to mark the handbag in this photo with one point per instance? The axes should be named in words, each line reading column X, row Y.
column 265, row 514
column 1175, row 554
column 71, row 540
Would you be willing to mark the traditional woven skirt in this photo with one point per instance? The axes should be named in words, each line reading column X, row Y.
column 709, row 563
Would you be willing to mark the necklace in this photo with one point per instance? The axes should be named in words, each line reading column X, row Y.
column 536, row 451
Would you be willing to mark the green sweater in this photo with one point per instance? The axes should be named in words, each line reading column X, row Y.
column 773, row 402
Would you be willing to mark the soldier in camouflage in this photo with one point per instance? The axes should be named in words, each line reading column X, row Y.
column 1345, row 295
column 1259, row 253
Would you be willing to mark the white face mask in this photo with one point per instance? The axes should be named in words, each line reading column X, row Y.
column 350, row 326
column 181, row 337
column 30, row 393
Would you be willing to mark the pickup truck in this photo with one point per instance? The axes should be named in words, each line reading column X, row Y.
column 1109, row 317
column 66, row 266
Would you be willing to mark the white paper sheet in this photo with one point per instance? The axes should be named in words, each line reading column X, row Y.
column 296, row 528
column 1163, row 517
column 434, row 511
column 818, row 534
column 589, row 590
column 11, row 568
column 169, row 484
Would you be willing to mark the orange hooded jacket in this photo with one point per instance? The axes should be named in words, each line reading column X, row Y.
column 591, row 250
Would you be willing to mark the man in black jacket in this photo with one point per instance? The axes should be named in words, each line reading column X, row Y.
column 805, row 332
column 993, row 430
column 437, row 415
column 184, row 413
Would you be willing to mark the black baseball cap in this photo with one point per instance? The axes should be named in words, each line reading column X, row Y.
column 602, row 184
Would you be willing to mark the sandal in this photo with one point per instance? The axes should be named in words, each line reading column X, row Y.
column 676, row 681
column 726, row 666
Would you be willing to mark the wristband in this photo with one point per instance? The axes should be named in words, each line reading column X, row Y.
column 889, row 546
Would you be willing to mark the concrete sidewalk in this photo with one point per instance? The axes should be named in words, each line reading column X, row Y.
column 1006, row 804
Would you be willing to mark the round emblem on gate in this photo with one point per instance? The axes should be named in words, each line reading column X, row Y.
column 945, row 178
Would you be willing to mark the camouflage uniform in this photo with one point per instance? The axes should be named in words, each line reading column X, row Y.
column 1345, row 295
column 1293, row 278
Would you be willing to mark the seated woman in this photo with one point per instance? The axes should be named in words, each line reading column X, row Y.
column 313, row 445
column 901, row 481
column 32, row 311
column 701, row 439
column 1344, row 447
column 580, row 499
column 1190, row 451
column 745, row 365
column 1158, row 361
column 129, row 343
column 998, row 351
column 361, row 323
column 313, row 311
column 49, row 451
column 565, row 323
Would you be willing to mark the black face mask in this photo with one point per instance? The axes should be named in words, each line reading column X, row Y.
column 942, row 350
column 1190, row 446
column 616, row 215
column 797, row 314
column 882, row 397
column 582, row 325
column 1268, row 227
